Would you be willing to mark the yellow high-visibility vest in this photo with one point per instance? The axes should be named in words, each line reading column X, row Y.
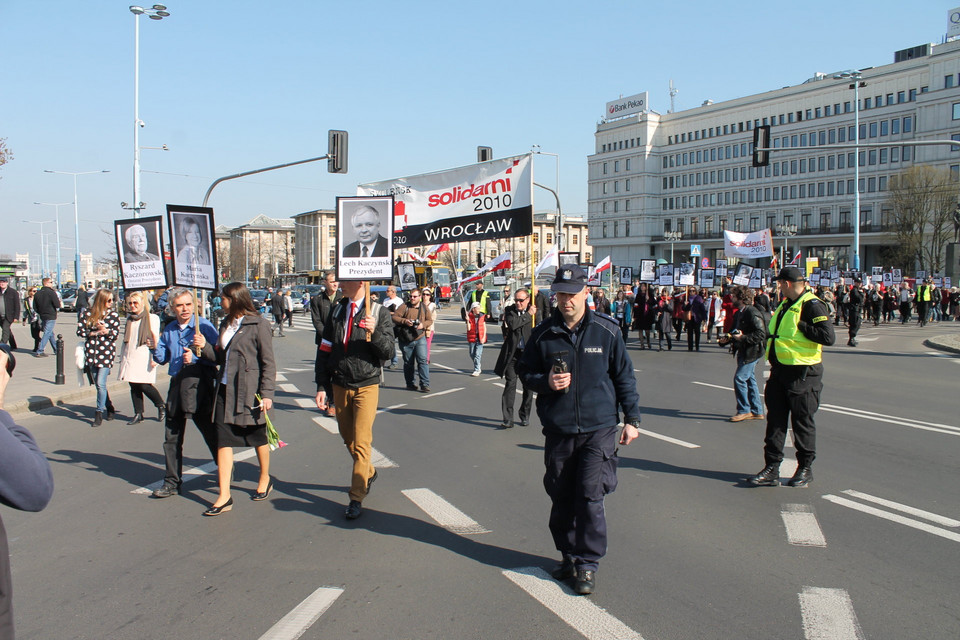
column 793, row 348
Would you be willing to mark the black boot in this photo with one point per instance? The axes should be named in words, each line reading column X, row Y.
column 768, row 477
column 98, row 419
column 802, row 478
column 161, row 412
column 137, row 419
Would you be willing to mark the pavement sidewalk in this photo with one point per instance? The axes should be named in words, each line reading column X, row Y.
column 33, row 387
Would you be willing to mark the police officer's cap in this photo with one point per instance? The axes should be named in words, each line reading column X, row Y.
column 791, row 274
column 570, row 278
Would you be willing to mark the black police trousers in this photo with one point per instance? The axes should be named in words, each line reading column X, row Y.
column 796, row 398
column 581, row 470
column 854, row 319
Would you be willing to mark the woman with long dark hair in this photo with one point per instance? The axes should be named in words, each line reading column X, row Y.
column 137, row 366
column 246, row 370
column 99, row 326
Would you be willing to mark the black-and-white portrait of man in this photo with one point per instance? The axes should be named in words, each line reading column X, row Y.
column 139, row 247
column 365, row 238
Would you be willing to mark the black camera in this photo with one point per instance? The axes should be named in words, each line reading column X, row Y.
column 727, row 338
column 416, row 322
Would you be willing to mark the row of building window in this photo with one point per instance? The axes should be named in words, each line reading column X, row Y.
column 877, row 128
column 867, row 158
column 827, row 189
column 616, row 228
column 805, row 226
column 616, row 166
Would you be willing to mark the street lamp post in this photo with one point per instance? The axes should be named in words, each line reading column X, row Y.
column 785, row 231
column 76, row 215
column 156, row 12
column 43, row 246
column 536, row 149
column 856, row 76
column 671, row 237
column 57, row 205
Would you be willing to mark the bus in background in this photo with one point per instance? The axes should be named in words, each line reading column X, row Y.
column 435, row 274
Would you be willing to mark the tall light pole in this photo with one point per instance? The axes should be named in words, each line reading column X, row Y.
column 785, row 231
column 536, row 149
column 156, row 12
column 76, row 215
column 43, row 246
column 856, row 76
column 57, row 205
column 671, row 237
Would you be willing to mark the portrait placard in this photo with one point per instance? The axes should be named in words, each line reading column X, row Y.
column 406, row 272
column 191, row 246
column 707, row 278
column 742, row 276
column 626, row 275
column 140, row 253
column 687, row 273
column 721, row 270
column 665, row 275
column 756, row 278
column 499, row 277
column 568, row 257
column 897, row 276
column 365, row 238
column 648, row 271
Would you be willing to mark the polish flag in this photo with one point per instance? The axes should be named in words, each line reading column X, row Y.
column 414, row 255
column 796, row 258
column 603, row 265
column 435, row 249
column 773, row 262
column 552, row 259
column 500, row 262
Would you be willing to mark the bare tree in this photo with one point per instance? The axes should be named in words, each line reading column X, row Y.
column 923, row 200
column 6, row 155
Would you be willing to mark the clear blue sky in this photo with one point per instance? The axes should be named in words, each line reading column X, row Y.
column 242, row 85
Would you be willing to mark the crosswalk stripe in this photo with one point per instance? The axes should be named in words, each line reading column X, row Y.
column 828, row 615
column 660, row 436
column 304, row 615
column 892, row 517
column 588, row 619
column 926, row 515
column 195, row 472
column 802, row 526
column 289, row 388
column 444, row 513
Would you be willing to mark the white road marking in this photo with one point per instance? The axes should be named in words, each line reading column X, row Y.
column 940, row 354
column 306, row 403
column 828, row 615
column 886, row 515
column 195, row 472
column 870, row 415
column 330, row 424
column 280, row 377
column 658, row 436
column 491, row 379
column 288, row 370
column 379, row 460
column 295, row 624
column 926, row 515
column 802, row 526
column 444, row 513
column 390, row 408
column 289, row 388
column 445, row 367
column 588, row 619
column 444, row 392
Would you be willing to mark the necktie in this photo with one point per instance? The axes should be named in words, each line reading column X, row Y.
column 350, row 313
column 364, row 252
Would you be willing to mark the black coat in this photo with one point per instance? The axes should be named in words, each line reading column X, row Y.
column 46, row 302
column 320, row 308
column 516, row 325
column 11, row 301
column 251, row 370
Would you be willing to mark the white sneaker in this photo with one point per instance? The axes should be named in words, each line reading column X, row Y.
column 475, row 374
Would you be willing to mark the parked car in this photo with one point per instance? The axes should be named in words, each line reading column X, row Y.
column 68, row 300
column 259, row 295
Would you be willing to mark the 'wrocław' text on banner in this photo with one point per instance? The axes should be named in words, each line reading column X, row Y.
column 478, row 202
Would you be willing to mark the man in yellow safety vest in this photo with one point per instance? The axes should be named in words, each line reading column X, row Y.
column 798, row 329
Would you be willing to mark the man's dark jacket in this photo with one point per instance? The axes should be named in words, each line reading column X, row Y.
column 602, row 383
column 320, row 308
column 11, row 301
column 358, row 364
column 516, row 325
column 752, row 325
column 45, row 303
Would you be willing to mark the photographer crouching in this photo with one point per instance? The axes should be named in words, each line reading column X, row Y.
column 746, row 341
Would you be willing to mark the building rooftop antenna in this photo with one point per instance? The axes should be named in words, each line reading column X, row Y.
column 673, row 94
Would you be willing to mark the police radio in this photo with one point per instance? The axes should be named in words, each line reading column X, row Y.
column 560, row 365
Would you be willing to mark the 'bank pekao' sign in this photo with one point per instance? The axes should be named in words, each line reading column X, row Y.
column 627, row 106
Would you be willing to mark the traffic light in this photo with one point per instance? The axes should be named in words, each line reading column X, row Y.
column 336, row 151
column 761, row 140
column 484, row 154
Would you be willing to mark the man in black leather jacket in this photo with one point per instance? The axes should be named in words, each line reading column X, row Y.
column 747, row 340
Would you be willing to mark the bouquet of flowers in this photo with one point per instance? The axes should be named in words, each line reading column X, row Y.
column 273, row 438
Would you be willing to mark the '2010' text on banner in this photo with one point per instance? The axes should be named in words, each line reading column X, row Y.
column 758, row 244
column 477, row 202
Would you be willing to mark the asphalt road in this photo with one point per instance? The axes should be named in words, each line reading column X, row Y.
column 453, row 538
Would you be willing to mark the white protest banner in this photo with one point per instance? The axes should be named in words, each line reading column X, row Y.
column 478, row 202
column 757, row 244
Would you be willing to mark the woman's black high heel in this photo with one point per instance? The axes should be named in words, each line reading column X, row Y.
column 215, row 511
column 263, row 495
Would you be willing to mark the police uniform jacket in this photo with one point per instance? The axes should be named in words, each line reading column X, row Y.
column 813, row 324
column 602, row 382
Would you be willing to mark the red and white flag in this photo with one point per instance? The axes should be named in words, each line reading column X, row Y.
column 552, row 259
column 432, row 252
column 603, row 265
column 500, row 262
column 796, row 258
column 413, row 254
column 773, row 262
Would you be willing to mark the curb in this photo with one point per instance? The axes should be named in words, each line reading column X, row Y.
column 940, row 343
column 38, row 403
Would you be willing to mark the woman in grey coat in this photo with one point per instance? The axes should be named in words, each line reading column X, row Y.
column 246, row 369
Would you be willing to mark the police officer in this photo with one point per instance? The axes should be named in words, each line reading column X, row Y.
column 577, row 363
column 855, row 310
column 923, row 303
column 798, row 329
